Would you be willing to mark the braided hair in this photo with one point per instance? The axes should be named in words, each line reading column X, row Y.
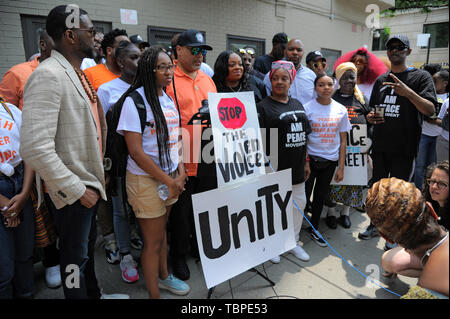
column 146, row 77
column 398, row 210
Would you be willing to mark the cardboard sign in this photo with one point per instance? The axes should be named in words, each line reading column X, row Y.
column 239, row 227
column 238, row 146
column 355, row 170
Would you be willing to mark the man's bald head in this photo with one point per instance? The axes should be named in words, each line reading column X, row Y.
column 294, row 52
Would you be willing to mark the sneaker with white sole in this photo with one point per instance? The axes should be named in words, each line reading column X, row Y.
column 300, row 253
column 135, row 240
column 275, row 260
column 174, row 285
column 129, row 270
column 53, row 277
column 112, row 252
column 316, row 238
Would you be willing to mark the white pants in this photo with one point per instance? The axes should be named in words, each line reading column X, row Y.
column 299, row 196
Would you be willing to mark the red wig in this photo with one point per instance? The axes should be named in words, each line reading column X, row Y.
column 374, row 67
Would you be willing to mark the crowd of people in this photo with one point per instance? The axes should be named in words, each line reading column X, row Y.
column 65, row 113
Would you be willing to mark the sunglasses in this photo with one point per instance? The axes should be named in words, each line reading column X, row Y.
column 320, row 64
column 440, row 185
column 197, row 50
column 92, row 31
column 286, row 66
column 396, row 47
column 248, row 51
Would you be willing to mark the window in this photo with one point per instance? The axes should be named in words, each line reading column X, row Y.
column 439, row 34
column 235, row 43
column 331, row 56
column 32, row 27
column 379, row 38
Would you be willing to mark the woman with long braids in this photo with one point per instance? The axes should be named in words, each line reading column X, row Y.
column 153, row 160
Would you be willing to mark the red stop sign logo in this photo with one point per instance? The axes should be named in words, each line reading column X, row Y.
column 231, row 113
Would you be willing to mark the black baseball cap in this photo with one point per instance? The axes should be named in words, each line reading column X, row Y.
column 280, row 38
column 192, row 38
column 312, row 56
column 400, row 37
column 137, row 39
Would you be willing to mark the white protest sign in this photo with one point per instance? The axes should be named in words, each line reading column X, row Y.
column 241, row 226
column 355, row 170
column 238, row 146
column 422, row 39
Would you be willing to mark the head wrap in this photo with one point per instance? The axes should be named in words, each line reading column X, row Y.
column 340, row 70
column 286, row 65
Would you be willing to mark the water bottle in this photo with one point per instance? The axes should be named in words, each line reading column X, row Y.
column 163, row 191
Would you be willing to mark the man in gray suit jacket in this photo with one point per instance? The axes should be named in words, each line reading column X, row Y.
column 63, row 138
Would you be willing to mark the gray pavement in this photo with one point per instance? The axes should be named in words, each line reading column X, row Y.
column 325, row 276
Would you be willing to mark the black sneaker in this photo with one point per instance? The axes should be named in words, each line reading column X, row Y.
column 331, row 222
column 370, row 232
column 318, row 240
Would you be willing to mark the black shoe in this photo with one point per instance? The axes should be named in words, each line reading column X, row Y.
column 331, row 222
column 180, row 269
column 370, row 232
column 318, row 240
column 344, row 221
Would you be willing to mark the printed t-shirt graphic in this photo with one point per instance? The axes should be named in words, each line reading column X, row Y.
column 9, row 138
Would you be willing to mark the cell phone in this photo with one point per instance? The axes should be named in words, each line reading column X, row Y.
column 379, row 111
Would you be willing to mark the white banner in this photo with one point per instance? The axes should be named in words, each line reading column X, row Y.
column 355, row 171
column 241, row 226
column 238, row 146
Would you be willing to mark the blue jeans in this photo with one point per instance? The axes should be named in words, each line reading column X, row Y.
column 16, row 245
column 77, row 231
column 425, row 156
column 120, row 219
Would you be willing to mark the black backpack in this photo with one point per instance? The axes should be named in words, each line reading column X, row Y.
column 116, row 148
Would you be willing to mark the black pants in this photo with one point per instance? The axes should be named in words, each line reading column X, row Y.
column 392, row 165
column 321, row 174
column 77, row 231
column 181, row 221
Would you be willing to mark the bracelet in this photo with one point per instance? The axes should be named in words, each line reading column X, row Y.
column 308, row 159
column 3, row 209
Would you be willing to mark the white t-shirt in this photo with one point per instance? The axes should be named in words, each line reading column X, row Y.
column 326, row 122
column 444, row 109
column 433, row 129
column 87, row 63
column 9, row 139
column 110, row 92
column 366, row 89
column 129, row 121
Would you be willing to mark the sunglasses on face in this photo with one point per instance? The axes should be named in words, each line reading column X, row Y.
column 396, row 47
column 248, row 51
column 440, row 185
column 92, row 30
column 320, row 64
column 197, row 50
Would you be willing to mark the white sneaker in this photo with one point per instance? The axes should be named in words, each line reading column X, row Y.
column 129, row 269
column 275, row 260
column 114, row 296
column 300, row 253
column 53, row 276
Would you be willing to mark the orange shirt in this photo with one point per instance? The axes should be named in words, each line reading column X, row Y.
column 190, row 94
column 13, row 82
column 99, row 74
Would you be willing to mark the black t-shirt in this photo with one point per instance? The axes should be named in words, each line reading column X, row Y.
column 263, row 63
column 356, row 110
column 293, row 129
column 400, row 133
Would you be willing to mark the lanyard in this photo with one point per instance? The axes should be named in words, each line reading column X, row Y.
column 7, row 108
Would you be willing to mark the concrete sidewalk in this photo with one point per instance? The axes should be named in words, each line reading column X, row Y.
column 325, row 276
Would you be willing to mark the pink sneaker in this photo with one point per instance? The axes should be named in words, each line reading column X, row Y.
column 129, row 270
